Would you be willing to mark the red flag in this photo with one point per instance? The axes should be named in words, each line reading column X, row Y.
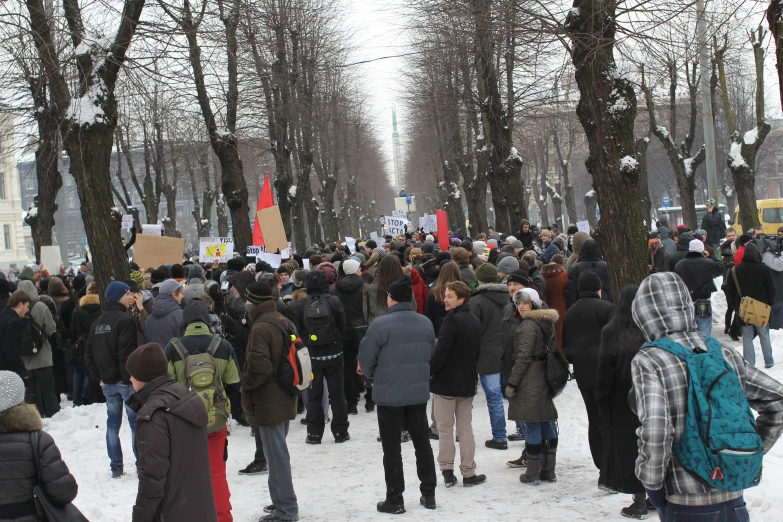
column 443, row 229
column 264, row 201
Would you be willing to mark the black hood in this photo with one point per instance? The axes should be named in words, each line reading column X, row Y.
column 684, row 241
column 195, row 311
column 349, row 284
column 590, row 250
column 317, row 283
column 752, row 253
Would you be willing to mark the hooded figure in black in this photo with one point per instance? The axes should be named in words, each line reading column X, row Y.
column 327, row 360
column 589, row 261
column 683, row 243
column 582, row 345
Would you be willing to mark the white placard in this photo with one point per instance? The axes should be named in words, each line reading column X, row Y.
column 286, row 252
column 351, row 242
column 50, row 259
column 215, row 249
column 394, row 225
column 274, row 260
column 253, row 251
column 152, row 230
column 306, row 264
column 374, row 236
column 398, row 213
column 583, row 226
column 428, row 222
column 127, row 222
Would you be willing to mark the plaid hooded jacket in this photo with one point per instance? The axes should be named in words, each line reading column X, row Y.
column 663, row 308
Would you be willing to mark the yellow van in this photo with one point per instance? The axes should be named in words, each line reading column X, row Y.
column 770, row 215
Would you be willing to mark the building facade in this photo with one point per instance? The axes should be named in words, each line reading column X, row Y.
column 13, row 253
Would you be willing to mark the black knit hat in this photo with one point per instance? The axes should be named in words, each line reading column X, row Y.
column 258, row 292
column 401, row 290
column 237, row 264
column 519, row 276
column 589, row 282
column 282, row 269
column 177, row 271
column 157, row 276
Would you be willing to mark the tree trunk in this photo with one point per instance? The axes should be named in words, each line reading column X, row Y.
column 591, row 200
column 565, row 173
column 592, row 26
column 222, row 218
column 645, row 203
column 476, row 189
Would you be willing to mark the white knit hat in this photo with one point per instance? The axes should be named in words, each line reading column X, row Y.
column 429, row 237
column 11, row 390
column 696, row 246
column 350, row 266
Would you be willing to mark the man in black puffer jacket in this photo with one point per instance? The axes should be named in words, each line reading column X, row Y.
column 683, row 244
column 18, row 423
column 349, row 289
column 589, row 261
column 698, row 273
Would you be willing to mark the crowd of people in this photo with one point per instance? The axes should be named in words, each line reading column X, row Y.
column 406, row 327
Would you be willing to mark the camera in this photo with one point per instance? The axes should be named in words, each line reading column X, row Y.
column 224, row 287
column 773, row 244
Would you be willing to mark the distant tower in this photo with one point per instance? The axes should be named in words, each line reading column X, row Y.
column 397, row 179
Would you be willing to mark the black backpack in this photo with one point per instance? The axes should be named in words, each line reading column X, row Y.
column 32, row 337
column 319, row 323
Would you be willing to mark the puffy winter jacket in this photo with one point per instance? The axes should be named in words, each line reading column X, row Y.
column 487, row 304
column 42, row 317
column 713, row 224
column 395, row 353
column 111, row 340
column 373, row 309
column 582, row 336
column 682, row 249
column 165, row 323
column 11, row 331
column 18, row 474
column 349, row 289
column 453, row 364
column 698, row 273
column 589, row 261
column 173, row 459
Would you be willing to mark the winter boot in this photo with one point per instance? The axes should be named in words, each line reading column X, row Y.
column 427, row 502
column 475, row 480
column 532, row 476
column 448, row 478
column 521, row 462
column 496, row 444
column 384, row 506
column 549, row 460
column 638, row 509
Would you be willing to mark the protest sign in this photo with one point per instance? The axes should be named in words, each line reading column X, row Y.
column 127, row 222
column 428, row 222
column 395, row 225
column 215, row 249
column 152, row 230
column 50, row 258
column 153, row 251
column 374, row 236
column 351, row 243
column 274, row 260
column 583, row 226
column 306, row 264
column 254, row 251
column 271, row 224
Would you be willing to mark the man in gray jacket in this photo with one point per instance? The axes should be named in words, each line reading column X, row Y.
column 395, row 353
column 40, row 383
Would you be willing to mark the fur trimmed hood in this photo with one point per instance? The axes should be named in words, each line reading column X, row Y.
column 90, row 299
column 21, row 418
column 492, row 287
column 552, row 270
column 541, row 315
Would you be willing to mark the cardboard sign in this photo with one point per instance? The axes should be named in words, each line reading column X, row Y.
column 583, row 226
column 394, row 225
column 398, row 213
column 274, row 260
column 50, row 258
column 271, row 224
column 127, row 222
column 215, row 249
column 153, row 251
column 152, row 230
column 429, row 222
column 254, row 251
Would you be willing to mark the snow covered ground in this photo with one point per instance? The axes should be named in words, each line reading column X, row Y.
column 338, row 482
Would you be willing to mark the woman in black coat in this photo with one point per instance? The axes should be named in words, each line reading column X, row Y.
column 18, row 474
column 621, row 339
column 85, row 389
column 589, row 261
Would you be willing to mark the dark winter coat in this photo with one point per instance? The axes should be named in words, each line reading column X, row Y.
column 727, row 258
column 532, row 401
column 83, row 317
column 619, row 422
column 111, row 340
column 173, row 459
column 264, row 402
column 349, row 289
column 372, row 308
column 11, row 331
column 508, row 332
column 713, row 224
column 755, row 280
column 395, row 354
column 698, row 273
column 338, row 315
column 18, row 474
column 538, row 279
column 551, row 250
column 589, row 261
column 435, row 311
column 165, row 323
column 487, row 304
column 475, row 262
column 661, row 261
column 682, row 249
column 582, row 336
column 556, row 278
column 468, row 275
column 453, row 364
column 526, row 237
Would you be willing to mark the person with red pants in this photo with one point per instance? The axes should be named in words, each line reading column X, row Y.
column 198, row 341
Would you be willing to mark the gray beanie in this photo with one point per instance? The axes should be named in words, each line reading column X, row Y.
column 508, row 265
column 11, row 390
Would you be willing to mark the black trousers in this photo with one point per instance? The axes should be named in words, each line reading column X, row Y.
column 594, row 436
column 390, row 421
column 353, row 383
column 333, row 371
column 259, row 457
column 40, row 391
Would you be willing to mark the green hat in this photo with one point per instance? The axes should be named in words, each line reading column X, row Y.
column 487, row 273
column 138, row 277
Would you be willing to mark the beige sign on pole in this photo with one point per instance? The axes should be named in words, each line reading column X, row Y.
column 271, row 223
column 153, row 251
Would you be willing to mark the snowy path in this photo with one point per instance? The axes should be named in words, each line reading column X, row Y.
column 338, row 482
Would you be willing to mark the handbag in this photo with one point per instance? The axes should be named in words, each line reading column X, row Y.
column 703, row 308
column 752, row 311
column 46, row 509
column 557, row 374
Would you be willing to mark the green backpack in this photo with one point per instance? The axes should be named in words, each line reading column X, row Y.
column 202, row 377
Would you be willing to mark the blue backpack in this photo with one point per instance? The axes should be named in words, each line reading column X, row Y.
column 719, row 443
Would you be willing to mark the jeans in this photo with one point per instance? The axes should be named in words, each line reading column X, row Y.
column 776, row 320
column 40, row 391
column 281, row 485
column 332, row 371
column 537, row 432
column 731, row 511
column 748, row 332
column 497, row 414
column 81, row 386
column 390, row 421
column 116, row 395
column 704, row 325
